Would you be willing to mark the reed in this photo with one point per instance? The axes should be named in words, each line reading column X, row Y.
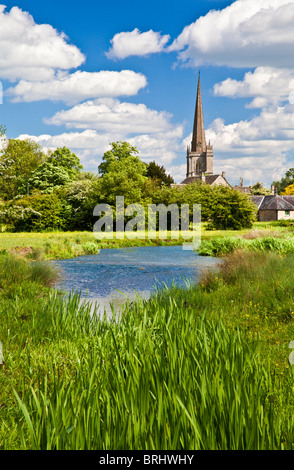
column 189, row 369
column 162, row 378
column 225, row 245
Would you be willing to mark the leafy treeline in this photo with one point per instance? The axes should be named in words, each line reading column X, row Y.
column 284, row 186
column 51, row 191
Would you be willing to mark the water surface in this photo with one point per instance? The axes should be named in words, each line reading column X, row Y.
column 115, row 274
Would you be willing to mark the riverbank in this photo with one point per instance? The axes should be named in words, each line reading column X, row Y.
column 73, row 381
column 64, row 245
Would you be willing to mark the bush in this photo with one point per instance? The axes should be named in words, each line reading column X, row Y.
column 278, row 245
column 224, row 246
column 232, row 210
column 34, row 213
column 90, row 248
column 220, row 246
column 224, row 208
column 15, row 271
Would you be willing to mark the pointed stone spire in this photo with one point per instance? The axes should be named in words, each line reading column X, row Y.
column 198, row 140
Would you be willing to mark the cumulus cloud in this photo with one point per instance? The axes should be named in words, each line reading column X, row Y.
column 40, row 59
column 135, row 43
column 267, row 85
column 107, row 120
column 257, row 35
column 248, row 33
column 31, row 51
column 111, row 115
column 151, row 131
column 90, row 145
column 259, row 148
column 161, row 146
column 78, row 86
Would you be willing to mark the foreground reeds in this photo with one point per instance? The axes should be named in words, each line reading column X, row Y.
column 191, row 368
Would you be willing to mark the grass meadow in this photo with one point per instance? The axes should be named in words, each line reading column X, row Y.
column 201, row 368
column 61, row 245
column 204, row 367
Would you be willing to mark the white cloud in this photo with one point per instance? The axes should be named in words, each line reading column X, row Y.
column 110, row 115
column 135, row 43
column 256, row 35
column 268, row 86
column 162, row 146
column 40, row 58
column 91, row 144
column 107, row 120
column 258, row 149
column 78, row 86
column 31, row 51
column 248, row 33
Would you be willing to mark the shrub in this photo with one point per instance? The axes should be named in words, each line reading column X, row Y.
column 232, row 210
column 278, row 245
column 223, row 246
column 220, row 246
column 34, row 213
column 91, row 248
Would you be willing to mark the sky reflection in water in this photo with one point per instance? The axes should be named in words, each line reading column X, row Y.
column 106, row 277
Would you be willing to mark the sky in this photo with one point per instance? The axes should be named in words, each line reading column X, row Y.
column 86, row 74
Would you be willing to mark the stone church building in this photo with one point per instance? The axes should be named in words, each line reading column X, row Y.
column 199, row 154
column 200, row 169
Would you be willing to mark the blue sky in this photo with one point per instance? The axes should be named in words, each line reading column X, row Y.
column 87, row 74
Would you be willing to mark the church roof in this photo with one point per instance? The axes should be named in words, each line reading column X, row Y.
column 209, row 179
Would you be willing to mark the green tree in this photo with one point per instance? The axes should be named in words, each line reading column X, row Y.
column 285, row 181
column 61, row 167
column 34, row 213
column 289, row 190
column 223, row 208
column 81, row 196
column 48, row 176
column 199, row 193
column 231, row 210
column 159, row 175
column 63, row 157
column 123, row 174
column 2, row 130
column 258, row 189
column 118, row 153
column 17, row 160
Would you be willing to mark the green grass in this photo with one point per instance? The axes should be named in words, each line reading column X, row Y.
column 223, row 246
column 199, row 368
column 60, row 245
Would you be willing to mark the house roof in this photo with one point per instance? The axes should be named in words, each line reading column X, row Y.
column 274, row 202
column 289, row 199
column 257, row 200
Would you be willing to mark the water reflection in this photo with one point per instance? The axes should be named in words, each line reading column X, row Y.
column 116, row 274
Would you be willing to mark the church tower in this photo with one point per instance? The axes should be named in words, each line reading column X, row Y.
column 199, row 154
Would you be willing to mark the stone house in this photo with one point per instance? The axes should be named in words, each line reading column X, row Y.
column 274, row 207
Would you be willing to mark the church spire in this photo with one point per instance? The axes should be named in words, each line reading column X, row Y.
column 198, row 140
